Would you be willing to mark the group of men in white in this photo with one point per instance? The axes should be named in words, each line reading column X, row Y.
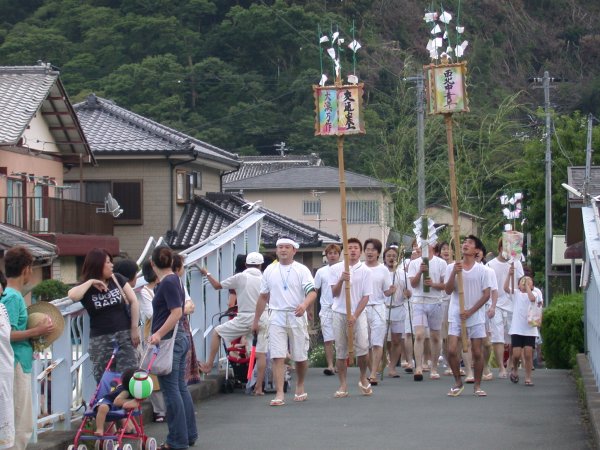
column 395, row 305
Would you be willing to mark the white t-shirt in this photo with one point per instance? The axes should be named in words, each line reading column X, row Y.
column 475, row 281
column 247, row 288
column 322, row 283
column 361, row 284
column 145, row 302
column 521, row 304
column 492, row 283
column 382, row 280
column 287, row 285
column 437, row 273
column 501, row 269
column 398, row 280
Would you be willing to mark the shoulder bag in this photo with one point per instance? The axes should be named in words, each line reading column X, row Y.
column 163, row 363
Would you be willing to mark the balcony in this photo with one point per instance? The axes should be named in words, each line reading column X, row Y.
column 42, row 215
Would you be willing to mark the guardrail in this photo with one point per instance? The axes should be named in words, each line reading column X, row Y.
column 62, row 377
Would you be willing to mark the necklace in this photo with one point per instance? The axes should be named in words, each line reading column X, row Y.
column 285, row 280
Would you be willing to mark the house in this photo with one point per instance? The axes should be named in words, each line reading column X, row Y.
column 151, row 170
column 442, row 215
column 310, row 194
column 207, row 215
column 41, row 139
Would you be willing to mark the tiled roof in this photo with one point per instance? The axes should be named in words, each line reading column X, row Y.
column 312, row 177
column 576, row 179
column 25, row 90
column 253, row 166
column 112, row 130
column 42, row 251
column 206, row 216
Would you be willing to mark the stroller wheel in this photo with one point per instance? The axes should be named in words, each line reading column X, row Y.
column 127, row 447
column 81, row 447
column 108, row 444
column 97, row 444
column 71, row 447
column 150, row 444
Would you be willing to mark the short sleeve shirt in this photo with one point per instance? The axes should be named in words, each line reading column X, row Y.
column 501, row 269
column 322, row 283
column 14, row 303
column 437, row 273
column 475, row 281
column 361, row 284
column 106, row 309
column 287, row 285
column 247, row 288
column 382, row 280
column 169, row 295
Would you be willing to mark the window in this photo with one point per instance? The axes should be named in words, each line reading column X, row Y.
column 311, row 207
column 362, row 211
column 185, row 186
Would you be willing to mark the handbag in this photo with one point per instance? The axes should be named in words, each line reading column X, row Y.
column 163, row 364
column 534, row 315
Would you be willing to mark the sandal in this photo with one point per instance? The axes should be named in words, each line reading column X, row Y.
column 366, row 390
column 455, row 391
column 514, row 378
column 163, row 446
column 470, row 380
column 480, row 393
column 300, row 397
column 328, row 372
column 529, row 383
column 158, row 418
column 373, row 381
column 341, row 394
column 488, row 377
column 276, row 402
column 418, row 377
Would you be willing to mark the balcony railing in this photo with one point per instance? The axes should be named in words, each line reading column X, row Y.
column 66, row 367
column 54, row 215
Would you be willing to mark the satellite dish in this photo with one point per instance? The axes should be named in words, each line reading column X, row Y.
column 112, row 206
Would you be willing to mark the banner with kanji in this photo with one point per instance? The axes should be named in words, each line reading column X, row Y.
column 446, row 88
column 338, row 110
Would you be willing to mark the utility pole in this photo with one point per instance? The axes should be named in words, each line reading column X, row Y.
column 419, row 79
column 548, row 163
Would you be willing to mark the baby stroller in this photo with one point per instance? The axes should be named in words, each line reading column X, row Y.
column 268, row 383
column 113, row 436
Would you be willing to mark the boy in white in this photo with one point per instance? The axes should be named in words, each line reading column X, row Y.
column 289, row 288
column 332, row 253
column 502, row 318
column 247, row 287
column 376, row 311
column 427, row 309
column 476, row 293
column 361, row 285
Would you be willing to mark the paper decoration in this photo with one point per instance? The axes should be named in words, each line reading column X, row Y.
column 354, row 46
column 512, row 245
column 512, row 205
column 339, row 110
column 323, row 39
column 424, row 239
column 323, row 80
column 352, row 79
column 445, row 17
column 446, row 88
column 440, row 30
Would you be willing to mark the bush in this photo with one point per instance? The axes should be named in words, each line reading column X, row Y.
column 316, row 357
column 49, row 290
column 562, row 331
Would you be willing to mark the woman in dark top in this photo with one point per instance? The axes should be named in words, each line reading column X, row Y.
column 102, row 298
column 168, row 304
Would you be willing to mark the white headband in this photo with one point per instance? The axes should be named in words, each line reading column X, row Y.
column 288, row 241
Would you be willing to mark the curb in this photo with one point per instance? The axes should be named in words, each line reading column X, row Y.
column 60, row 440
column 591, row 396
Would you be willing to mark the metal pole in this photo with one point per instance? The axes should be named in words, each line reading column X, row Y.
column 548, row 163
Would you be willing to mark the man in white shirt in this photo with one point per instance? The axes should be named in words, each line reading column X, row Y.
column 361, row 285
column 476, row 293
column 332, row 253
column 376, row 311
column 500, row 322
column 247, row 287
column 289, row 288
column 427, row 308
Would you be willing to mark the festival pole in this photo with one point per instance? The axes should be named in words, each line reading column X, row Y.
column 447, row 94
column 389, row 320
column 339, row 112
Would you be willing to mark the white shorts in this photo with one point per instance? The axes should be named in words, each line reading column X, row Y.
column 361, row 335
column 376, row 321
column 288, row 332
column 473, row 332
column 326, row 317
column 241, row 325
column 499, row 326
column 428, row 315
column 398, row 317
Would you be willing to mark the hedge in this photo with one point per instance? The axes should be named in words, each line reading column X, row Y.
column 562, row 331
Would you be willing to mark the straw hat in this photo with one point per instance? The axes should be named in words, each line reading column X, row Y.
column 37, row 313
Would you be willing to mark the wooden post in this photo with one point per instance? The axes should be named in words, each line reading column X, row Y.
column 455, row 226
column 342, row 175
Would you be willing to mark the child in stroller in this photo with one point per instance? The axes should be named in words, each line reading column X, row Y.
column 119, row 398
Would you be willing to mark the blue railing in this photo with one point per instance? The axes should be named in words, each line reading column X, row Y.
column 591, row 278
column 66, row 368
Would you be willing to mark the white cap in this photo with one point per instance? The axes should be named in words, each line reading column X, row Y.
column 254, row 258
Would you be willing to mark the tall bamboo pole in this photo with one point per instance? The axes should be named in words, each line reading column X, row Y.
column 455, row 226
column 342, row 176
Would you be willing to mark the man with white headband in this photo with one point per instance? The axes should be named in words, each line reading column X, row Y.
column 247, row 288
column 289, row 288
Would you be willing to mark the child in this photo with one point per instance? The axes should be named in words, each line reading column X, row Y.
column 522, row 335
column 117, row 399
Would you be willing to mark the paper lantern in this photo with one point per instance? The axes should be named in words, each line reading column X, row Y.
column 140, row 385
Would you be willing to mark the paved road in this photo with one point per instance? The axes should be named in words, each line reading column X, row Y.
column 400, row 414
